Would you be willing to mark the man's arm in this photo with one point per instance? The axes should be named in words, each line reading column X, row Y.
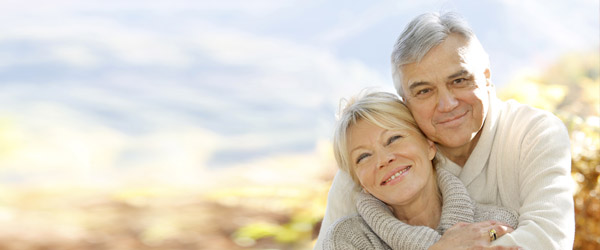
column 546, row 213
column 340, row 203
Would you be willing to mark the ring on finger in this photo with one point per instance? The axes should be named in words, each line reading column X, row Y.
column 493, row 235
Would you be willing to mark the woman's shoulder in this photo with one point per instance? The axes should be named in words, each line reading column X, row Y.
column 352, row 232
column 347, row 223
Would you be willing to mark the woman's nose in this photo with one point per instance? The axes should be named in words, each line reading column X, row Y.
column 386, row 159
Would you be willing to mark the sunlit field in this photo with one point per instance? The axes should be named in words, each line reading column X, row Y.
column 274, row 203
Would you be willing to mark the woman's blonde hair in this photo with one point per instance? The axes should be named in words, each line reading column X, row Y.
column 380, row 108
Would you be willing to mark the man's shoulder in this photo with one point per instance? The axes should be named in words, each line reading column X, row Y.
column 512, row 108
column 516, row 117
column 522, row 128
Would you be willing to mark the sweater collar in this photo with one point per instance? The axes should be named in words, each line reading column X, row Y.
column 457, row 206
column 481, row 153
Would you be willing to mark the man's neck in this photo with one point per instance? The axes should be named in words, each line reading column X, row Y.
column 460, row 155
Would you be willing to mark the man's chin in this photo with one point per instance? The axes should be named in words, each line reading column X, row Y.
column 454, row 142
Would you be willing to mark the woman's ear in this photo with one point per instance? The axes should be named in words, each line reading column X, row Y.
column 432, row 149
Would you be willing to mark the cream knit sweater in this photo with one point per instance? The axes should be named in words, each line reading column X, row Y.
column 375, row 227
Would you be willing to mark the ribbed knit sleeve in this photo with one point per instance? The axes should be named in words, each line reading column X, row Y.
column 502, row 214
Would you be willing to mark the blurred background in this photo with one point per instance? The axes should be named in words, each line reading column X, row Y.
column 207, row 124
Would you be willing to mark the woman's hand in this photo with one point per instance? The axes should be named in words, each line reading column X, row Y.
column 472, row 236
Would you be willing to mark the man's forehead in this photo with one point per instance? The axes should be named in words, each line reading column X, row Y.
column 453, row 55
column 448, row 62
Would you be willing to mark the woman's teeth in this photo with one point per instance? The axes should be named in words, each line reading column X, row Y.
column 397, row 174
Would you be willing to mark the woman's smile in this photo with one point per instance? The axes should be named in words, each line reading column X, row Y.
column 395, row 176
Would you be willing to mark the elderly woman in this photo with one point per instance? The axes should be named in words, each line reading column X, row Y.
column 406, row 202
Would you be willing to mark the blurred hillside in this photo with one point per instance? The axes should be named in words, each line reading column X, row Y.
column 571, row 89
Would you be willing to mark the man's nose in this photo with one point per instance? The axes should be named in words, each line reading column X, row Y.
column 446, row 101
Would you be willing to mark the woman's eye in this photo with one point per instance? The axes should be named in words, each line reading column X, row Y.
column 393, row 139
column 361, row 157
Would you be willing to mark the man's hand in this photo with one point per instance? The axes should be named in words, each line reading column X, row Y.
column 472, row 236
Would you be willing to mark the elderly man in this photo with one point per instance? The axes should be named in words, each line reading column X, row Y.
column 506, row 153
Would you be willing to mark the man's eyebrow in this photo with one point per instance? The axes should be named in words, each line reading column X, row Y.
column 462, row 72
column 417, row 84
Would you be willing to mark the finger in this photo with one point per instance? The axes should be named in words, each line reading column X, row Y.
column 493, row 223
column 508, row 248
column 502, row 230
column 503, row 248
column 491, row 235
column 487, row 224
column 497, row 231
column 502, row 224
column 496, row 247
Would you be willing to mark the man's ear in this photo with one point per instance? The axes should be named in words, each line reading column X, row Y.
column 488, row 77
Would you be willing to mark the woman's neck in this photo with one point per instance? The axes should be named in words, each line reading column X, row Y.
column 424, row 210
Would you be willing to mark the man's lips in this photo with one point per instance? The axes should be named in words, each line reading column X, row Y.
column 397, row 172
column 452, row 118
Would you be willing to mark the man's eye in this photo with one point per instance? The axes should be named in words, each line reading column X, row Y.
column 361, row 157
column 393, row 139
column 423, row 92
column 459, row 81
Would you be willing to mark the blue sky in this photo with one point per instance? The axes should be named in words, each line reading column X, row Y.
column 170, row 87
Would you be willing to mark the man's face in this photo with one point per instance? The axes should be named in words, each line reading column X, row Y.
column 448, row 92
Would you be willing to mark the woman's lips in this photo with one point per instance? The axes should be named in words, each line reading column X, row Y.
column 396, row 173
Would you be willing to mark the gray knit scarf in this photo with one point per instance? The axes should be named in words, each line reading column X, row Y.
column 375, row 227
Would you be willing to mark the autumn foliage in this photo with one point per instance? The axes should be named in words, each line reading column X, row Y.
column 571, row 90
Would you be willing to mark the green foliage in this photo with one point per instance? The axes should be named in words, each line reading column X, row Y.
column 287, row 216
column 294, row 231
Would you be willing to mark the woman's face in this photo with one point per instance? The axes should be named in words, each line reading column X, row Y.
column 392, row 165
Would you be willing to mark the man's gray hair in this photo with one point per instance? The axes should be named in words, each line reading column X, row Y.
column 422, row 34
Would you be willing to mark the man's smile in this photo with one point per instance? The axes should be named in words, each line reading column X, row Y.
column 453, row 120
